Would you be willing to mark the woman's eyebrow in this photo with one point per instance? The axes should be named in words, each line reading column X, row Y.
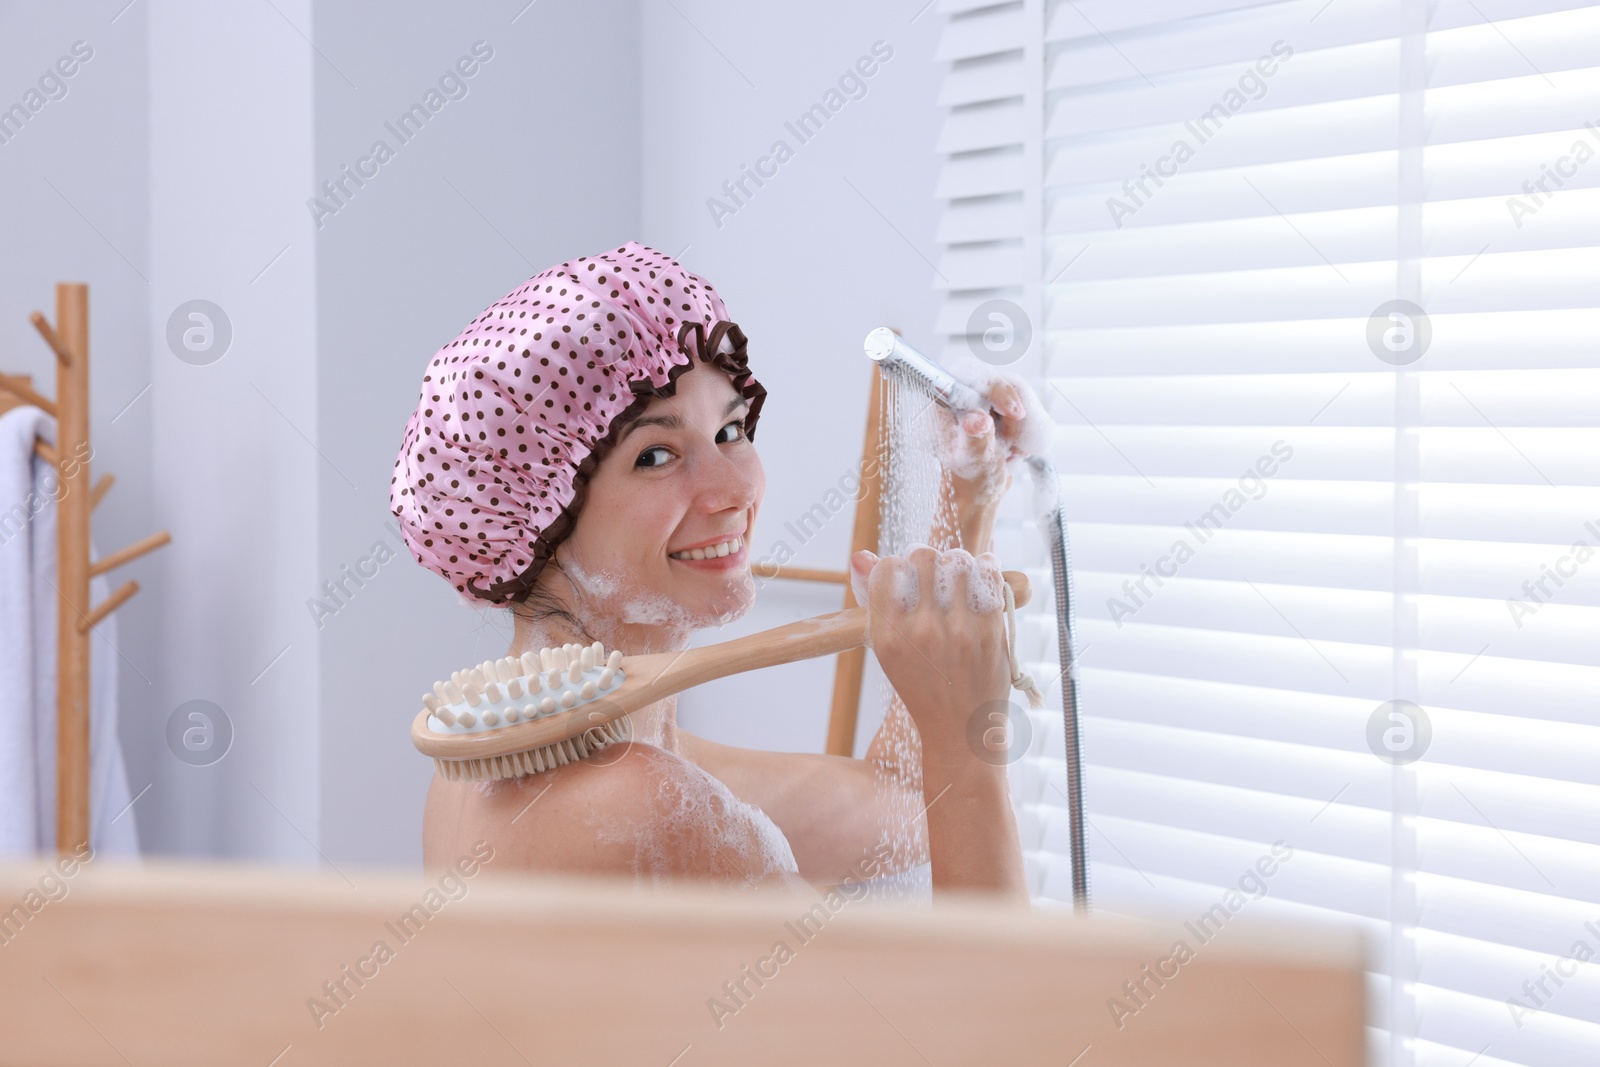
column 671, row 422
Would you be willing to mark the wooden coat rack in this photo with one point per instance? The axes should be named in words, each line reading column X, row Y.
column 69, row 340
column 851, row 667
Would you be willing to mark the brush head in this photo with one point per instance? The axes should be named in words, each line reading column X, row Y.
column 493, row 699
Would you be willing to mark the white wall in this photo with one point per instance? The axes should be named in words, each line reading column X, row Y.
column 75, row 183
column 837, row 242
column 189, row 147
column 537, row 163
column 235, row 460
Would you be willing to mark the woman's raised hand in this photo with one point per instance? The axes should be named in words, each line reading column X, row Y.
column 936, row 621
column 977, row 447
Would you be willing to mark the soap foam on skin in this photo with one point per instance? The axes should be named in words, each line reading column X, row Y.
column 647, row 607
column 701, row 823
column 1033, row 438
column 982, row 573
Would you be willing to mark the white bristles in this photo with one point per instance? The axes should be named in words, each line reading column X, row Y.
column 535, row 760
column 515, row 689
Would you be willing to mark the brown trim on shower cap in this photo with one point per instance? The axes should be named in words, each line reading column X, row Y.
column 734, row 363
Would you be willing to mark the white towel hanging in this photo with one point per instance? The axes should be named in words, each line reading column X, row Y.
column 28, row 663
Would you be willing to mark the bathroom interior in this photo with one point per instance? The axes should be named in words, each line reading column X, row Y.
column 1285, row 309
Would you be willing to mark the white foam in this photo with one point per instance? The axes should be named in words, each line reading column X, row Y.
column 907, row 588
column 954, row 447
column 1046, row 497
column 700, row 824
column 1034, row 439
column 945, row 572
column 983, row 587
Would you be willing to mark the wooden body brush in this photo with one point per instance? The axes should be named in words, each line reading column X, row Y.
column 522, row 715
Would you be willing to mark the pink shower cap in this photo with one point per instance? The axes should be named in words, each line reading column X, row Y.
column 518, row 411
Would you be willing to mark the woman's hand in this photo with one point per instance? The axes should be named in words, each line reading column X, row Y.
column 937, row 626
column 977, row 447
column 936, row 623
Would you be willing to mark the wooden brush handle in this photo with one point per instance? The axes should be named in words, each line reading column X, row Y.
column 666, row 673
column 659, row 675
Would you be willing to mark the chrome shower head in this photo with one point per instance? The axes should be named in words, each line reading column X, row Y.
column 887, row 349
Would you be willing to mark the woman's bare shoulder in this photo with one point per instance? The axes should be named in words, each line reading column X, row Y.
column 643, row 813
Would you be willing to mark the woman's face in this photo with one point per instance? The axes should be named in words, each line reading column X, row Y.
column 682, row 476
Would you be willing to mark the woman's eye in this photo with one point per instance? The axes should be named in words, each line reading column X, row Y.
column 640, row 462
column 737, row 424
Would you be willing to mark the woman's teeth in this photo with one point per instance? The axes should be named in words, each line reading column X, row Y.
column 712, row 552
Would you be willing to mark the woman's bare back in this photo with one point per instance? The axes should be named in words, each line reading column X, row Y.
column 647, row 815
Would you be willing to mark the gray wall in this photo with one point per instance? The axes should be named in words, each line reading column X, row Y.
column 234, row 454
column 835, row 243
column 537, row 163
column 189, row 147
column 75, row 184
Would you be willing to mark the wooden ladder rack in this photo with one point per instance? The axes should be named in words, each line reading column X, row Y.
column 75, row 503
column 851, row 667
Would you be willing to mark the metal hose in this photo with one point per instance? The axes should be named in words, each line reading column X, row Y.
column 1055, row 534
column 893, row 355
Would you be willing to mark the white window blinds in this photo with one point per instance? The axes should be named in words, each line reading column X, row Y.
column 1289, row 506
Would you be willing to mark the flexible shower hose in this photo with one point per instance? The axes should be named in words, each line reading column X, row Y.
column 1054, row 531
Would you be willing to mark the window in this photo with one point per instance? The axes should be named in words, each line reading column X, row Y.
column 1312, row 291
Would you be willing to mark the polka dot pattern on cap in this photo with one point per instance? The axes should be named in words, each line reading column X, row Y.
column 517, row 412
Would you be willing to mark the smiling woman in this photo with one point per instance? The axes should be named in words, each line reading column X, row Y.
column 583, row 455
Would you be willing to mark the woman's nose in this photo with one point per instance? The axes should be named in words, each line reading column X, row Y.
column 724, row 484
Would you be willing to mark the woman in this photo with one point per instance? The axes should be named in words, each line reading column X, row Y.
column 582, row 453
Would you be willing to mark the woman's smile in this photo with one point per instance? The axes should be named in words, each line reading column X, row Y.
column 722, row 552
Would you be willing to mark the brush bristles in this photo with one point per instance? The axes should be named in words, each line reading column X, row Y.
column 537, row 760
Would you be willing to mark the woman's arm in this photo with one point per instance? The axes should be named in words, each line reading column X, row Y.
column 948, row 662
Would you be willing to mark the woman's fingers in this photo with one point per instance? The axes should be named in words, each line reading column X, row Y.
column 986, row 594
column 954, row 580
column 1006, row 397
column 862, row 564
